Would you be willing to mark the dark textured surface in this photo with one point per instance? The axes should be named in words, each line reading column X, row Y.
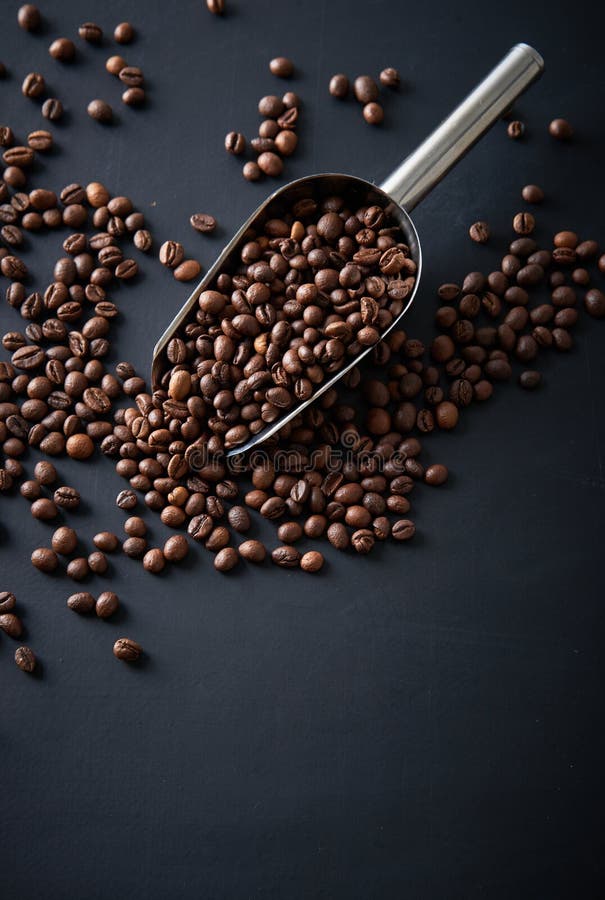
column 424, row 723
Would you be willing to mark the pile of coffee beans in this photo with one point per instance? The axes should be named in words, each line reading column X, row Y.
column 366, row 91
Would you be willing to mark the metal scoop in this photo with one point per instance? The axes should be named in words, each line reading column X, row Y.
column 399, row 194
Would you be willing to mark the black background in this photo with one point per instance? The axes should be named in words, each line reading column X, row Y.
column 423, row 723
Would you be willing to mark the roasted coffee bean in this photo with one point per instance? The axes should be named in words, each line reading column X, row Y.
column 530, row 379
column 154, row 561
column 286, row 556
column 64, row 540
column 339, row 86
column 176, row 548
column 560, row 129
column 91, row 32
column 373, row 113
column 105, row 541
column 123, row 33
column 524, row 223
column 40, row 140
column 171, row 254
column 235, row 143
column 281, row 66
column 363, row 541
column 127, row 650
column 33, row 85
column 107, row 603
column 131, row 76
column 67, row 498
column 436, row 474
column 52, row 109
column 29, row 17
column 44, row 509
column 25, row 659
column 8, row 602
column 226, row 559
column 100, row 110
column 251, row 171
column 365, row 89
column 216, row 7
column 252, row 551
column 11, row 625
column 45, row 559
column 403, row 530
column 203, row 222
column 479, row 232
column 515, row 130
column 390, row 77
column 62, row 49
column 312, row 561
column 187, row 270
column 594, row 303
column 531, row 193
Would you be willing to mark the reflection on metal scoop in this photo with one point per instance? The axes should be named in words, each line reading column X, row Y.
column 398, row 195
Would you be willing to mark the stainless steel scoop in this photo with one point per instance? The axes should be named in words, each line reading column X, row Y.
column 399, row 194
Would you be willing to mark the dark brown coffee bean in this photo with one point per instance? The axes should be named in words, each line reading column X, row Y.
column 107, row 604
column 67, row 498
column 44, row 559
column 235, row 143
column 281, row 66
column 64, row 540
column 524, row 223
column 365, row 89
column 52, row 109
column 131, row 76
column 7, row 601
column 154, row 561
column 203, row 222
column 127, row 650
column 531, row 193
column 403, row 530
column 216, row 7
column 252, row 551
column 560, row 129
column 81, row 602
column 339, row 86
column 515, row 130
column 100, row 111
column 11, row 624
column 62, row 49
column 286, row 556
column 123, row 33
column 594, row 303
column 33, row 85
column 25, row 659
column 479, row 232
column 187, row 270
column 40, row 140
column 530, row 379
column 226, row 559
column 91, row 33
column 29, row 17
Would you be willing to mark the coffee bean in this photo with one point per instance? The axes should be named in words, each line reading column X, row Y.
column 515, row 130
column 123, row 33
column 287, row 557
column 312, row 561
column 64, row 540
column 105, row 541
column 251, row 171
column 187, row 270
column 252, row 551
column 203, row 222
column 281, row 66
column 11, row 625
column 270, row 164
column 67, row 498
column 97, row 562
column 390, row 77
column 131, row 76
column 531, row 193
column 363, row 541
column 594, row 303
column 52, row 109
column 373, row 113
column 176, row 548
column 524, row 223
column 79, row 446
column 91, row 33
column 33, row 85
column 171, row 254
column 107, row 604
column 560, row 129
column 100, row 111
column 78, row 568
column 115, row 64
column 365, row 89
column 479, row 232
column 154, row 561
column 127, row 650
column 40, row 140
column 530, row 379
column 235, row 143
column 62, row 49
column 339, row 86
column 134, row 96
column 403, row 530
column 44, row 559
column 436, row 474
column 44, row 509
column 29, row 17
column 7, row 601
column 25, row 659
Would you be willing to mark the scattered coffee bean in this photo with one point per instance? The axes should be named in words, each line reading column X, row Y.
column 531, row 193
column 187, row 270
column 365, row 89
column 154, row 561
column 594, row 303
column 373, row 113
column 123, row 33
column 11, row 624
column 91, row 33
column 97, row 562
column 127, row 650
column 66, row 497
column 176, row 548
column 29, row 17
column 52, row 109
column 45, row 559
column 107, row 604
column 81, row 602
column 479, row 232
column 7, row 601
column 64, row 540
column 389, row 77
column 339, row 86
column 25, row 659
column 33, row 85
column 282, row 67
column 560, row 129
column 203, row 222
column 105, row 541
column 312, row 561
column 78, row 568
column 226, row 559
column 515, row 130
column 235, row 143
column 62, row 49
column 100, row 111
column 251, row 171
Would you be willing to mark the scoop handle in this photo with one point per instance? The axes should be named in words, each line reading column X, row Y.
column 425, row 167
